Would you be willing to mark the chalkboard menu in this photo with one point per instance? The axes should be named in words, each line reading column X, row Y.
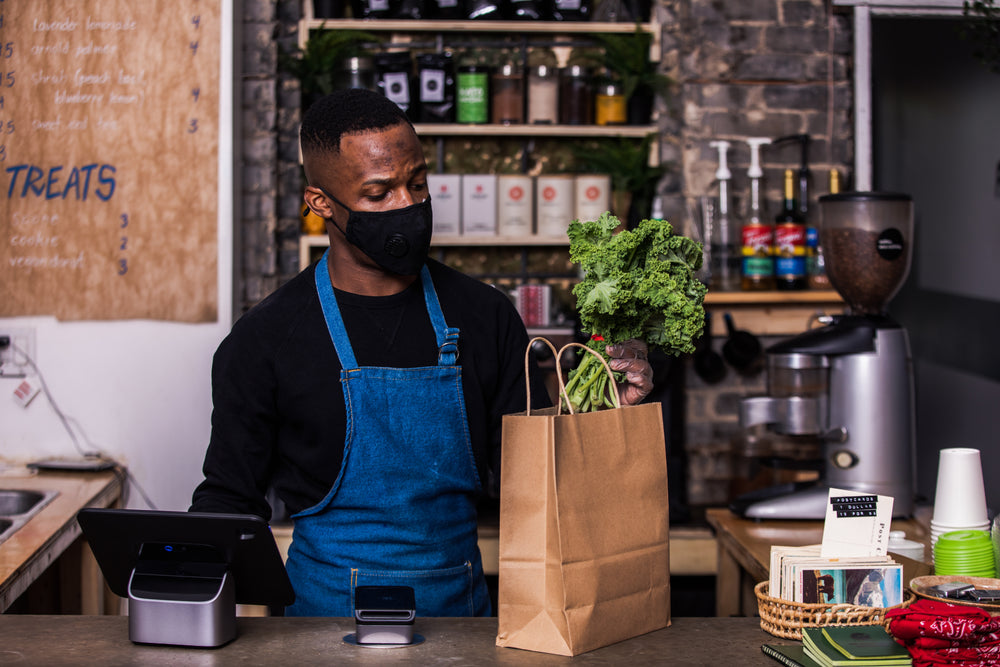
column 109, row 126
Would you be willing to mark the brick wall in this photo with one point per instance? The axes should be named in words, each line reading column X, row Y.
column 267, row 228
column 767, row 68
column 742, row 69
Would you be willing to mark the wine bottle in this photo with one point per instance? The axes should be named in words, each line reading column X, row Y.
column 790, row 241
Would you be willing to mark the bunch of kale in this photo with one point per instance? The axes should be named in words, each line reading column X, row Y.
column 637, row 283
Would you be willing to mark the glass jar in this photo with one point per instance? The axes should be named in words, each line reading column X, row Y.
column 508, row 95
column 543, row 95
column 472, row 85
column 609, row 105
column 576, row 96
column 357, row 72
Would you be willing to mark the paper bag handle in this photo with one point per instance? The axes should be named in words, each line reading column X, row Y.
column 615, row 398
column 527, row 374
column 557, row 355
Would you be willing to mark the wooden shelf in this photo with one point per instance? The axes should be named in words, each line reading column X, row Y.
column 309, row 241
column 526, row 130
column 443, row 26
column 773, row 296
column 772, row 313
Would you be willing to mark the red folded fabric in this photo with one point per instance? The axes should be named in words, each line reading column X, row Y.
column 940, row 633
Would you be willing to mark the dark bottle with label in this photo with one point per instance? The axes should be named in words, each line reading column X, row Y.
column 436, row 72
column 485, row 10
column 371, row 9
column 445, row 9
column 572, row 10
column 790, row 242
column 529, row 10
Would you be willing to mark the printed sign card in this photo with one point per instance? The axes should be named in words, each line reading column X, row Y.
column 857, row 524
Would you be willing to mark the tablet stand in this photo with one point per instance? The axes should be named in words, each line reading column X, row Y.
column 183, row 573
column 182, row 595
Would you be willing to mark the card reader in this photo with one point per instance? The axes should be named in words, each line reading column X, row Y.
column 384, row 614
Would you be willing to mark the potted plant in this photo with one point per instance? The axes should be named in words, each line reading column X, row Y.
column 626, row 57
column 317, row 66
column 633, row 178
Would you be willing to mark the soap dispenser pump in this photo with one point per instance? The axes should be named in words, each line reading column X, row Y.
column 724, row 252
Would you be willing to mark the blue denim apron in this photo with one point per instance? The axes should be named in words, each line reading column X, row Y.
column 401, row 511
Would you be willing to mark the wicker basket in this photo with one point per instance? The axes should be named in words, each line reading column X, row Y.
column 785, row 619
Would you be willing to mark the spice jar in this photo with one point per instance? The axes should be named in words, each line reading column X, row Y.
column 543, row 95
column 508, row 95
column 609, row 105
column 472, row 84
column 576, row 97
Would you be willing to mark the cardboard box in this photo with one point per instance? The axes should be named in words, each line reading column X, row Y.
column 479, row 204
column 515, row 205
column 446, row 202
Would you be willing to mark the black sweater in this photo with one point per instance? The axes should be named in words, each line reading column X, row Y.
column 278, row 415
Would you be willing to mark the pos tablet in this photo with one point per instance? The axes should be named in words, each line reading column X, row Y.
column 184, row 572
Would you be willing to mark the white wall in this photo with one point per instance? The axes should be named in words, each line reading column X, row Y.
column 140, row 390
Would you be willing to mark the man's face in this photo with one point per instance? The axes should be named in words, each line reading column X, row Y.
column 376, row 171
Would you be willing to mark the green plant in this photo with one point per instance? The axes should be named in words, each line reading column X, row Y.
column 316, row 67
column 982, row 28
column 626, row 56
column 627, row 162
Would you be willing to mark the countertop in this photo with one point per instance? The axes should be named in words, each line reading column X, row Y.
column 73, row 640
column 50, row 532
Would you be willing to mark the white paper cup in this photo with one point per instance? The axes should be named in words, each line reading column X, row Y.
column 960, row 497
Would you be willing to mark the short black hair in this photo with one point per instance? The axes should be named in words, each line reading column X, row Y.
column 346, row 111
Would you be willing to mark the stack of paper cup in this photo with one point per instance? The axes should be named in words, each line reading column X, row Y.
column 960, row 497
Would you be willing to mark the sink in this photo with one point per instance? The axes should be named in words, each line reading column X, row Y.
column 17, row 506
column 18, row 501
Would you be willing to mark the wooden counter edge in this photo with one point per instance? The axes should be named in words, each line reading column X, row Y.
column 100, row 489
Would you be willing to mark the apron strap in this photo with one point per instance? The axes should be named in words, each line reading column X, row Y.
column 447, row 337
column 331, row 313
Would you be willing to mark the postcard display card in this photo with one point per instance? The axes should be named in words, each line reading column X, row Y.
column 857, row 524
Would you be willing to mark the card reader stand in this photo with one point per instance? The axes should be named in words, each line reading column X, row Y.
column 182, row 595
column 183, row 573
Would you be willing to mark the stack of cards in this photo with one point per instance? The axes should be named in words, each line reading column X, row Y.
column 851, row 566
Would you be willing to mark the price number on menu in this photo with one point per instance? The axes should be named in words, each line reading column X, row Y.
column 123, row 243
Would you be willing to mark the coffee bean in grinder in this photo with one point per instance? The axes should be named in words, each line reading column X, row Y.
column 849, row 382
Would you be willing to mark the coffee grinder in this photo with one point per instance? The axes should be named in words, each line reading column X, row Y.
column 850, row 382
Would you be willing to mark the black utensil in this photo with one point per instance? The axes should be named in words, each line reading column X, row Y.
column 742, row 349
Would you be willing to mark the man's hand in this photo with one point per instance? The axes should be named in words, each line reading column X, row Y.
column 629, row 357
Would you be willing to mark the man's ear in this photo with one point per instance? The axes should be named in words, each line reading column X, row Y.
column 317, row 201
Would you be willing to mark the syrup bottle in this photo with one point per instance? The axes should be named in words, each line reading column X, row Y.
column 757, row 263
column 790, row 241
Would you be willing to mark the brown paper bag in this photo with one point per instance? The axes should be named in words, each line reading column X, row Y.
column 584, row 528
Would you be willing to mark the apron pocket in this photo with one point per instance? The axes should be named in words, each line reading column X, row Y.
column 444, row 592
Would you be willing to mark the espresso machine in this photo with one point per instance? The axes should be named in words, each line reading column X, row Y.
column 849, row 382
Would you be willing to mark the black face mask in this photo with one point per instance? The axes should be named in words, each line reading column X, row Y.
column 397, row 240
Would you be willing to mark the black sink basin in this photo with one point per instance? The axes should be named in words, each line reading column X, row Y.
column 16, row 501
column 5, row 524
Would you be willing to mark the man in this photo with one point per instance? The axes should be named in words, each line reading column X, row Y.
column 368, row 391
